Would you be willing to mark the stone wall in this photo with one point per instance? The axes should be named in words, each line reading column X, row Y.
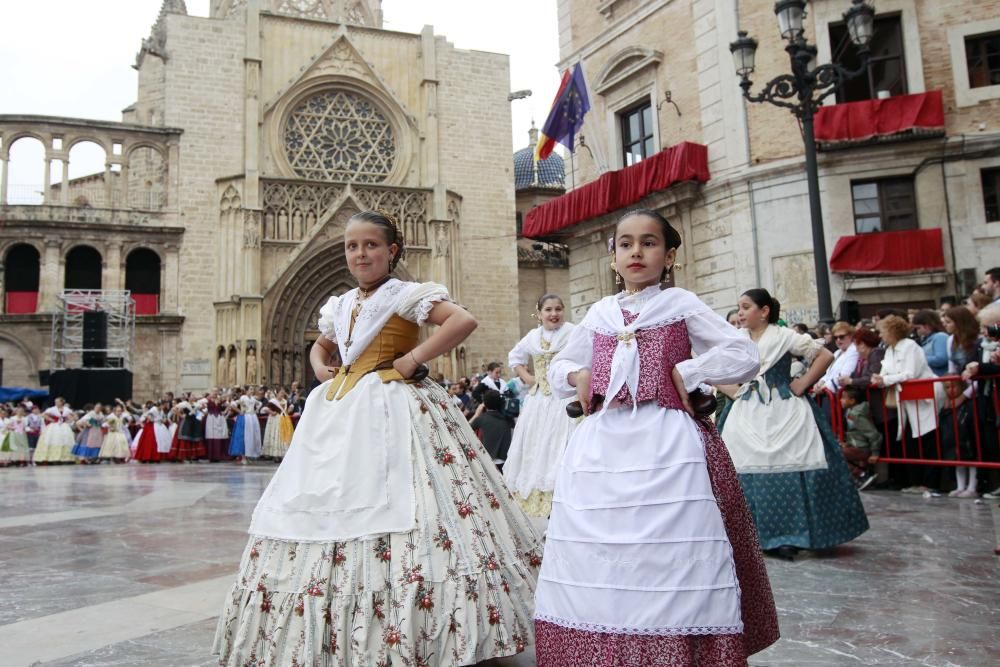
column 204, row 96
column 474, row 152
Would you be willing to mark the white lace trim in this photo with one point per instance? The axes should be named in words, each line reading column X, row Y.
column 426, row 305
column 652, row 325
column 663, row 631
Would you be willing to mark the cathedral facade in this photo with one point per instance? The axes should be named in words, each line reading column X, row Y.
column 257, row 132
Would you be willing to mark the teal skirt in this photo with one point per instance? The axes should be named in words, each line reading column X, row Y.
column 816, row 509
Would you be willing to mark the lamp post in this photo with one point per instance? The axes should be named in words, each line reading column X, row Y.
column 802, row 92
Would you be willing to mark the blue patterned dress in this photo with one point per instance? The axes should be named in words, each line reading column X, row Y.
column 813, row 509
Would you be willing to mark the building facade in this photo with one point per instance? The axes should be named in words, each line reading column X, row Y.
column 660, row 73
column 257, row 132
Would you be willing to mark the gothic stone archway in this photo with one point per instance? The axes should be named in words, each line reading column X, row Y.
column 292, row 308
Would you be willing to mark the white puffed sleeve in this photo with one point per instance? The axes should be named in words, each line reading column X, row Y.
column 725, row 356
column 804, row 346
column 418, row 302
column 577, row 354
column 520, row 355
column 326, row 318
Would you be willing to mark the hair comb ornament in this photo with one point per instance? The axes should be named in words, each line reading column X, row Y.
column 611, row 245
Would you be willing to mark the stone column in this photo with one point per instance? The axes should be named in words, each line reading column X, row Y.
column 47, row 177
column 429, row 167
column 108, row 189
column 123, row 189
column 51, row 276
column 4, row 159
column 114, row 278
column 169, row 289
column 64, row 188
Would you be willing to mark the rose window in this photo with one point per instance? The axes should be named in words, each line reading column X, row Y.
column 338, row 135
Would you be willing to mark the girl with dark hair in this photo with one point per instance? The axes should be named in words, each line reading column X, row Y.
column 386, row 536
column 933, row 339
column 789, row 462
column 651, row 557
column 543, row 428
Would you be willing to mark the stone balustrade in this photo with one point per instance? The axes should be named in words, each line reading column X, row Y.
column 140, row 167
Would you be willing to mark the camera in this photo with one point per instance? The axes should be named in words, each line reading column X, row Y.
column 993, row 331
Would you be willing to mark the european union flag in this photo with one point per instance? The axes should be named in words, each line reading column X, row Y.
column 566, row 117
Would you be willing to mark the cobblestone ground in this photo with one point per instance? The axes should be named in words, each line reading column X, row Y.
column 127, row 565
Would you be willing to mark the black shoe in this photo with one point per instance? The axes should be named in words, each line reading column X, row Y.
column 784, row 552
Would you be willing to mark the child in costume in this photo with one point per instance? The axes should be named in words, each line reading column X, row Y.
column 790, row 463
column 651, row 557
column 386, row 536
column 543, row 428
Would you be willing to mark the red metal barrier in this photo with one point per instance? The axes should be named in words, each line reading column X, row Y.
column 915, row 450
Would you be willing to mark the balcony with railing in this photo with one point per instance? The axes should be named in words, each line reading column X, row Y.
column 121, row 167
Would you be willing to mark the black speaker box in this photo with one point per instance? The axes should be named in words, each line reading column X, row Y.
column 95, row 337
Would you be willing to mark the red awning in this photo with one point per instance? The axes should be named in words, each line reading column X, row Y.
column 912, row 251
column 617, row 189
column 22, row 303
column 146, row 304
column 861, row 121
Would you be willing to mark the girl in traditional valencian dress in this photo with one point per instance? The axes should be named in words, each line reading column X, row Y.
column 245, row 442
column 279, row 429
column 543, row 428
column 386, row 536
column 91, row 437
column 115, row 446
column 164, row 429
column 790, row 464
column 216, row 429
column 651, row 557
column 16, row 449
column 55, row 445
column 147, row 450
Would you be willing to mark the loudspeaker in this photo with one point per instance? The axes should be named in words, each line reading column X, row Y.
column 43, row 377
column 849, row 311
column 95, row 337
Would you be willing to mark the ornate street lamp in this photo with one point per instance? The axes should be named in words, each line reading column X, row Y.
column 802, row 92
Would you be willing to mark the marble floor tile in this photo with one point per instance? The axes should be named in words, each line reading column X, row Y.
column 115, row 566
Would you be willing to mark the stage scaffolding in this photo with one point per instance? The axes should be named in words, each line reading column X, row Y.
column 68, row 347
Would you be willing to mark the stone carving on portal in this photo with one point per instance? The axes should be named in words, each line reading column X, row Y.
column 222, row 367
column 251, row 229
column 231, row 370
column 251, row 376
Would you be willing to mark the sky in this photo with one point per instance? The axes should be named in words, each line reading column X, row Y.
column 74, row 58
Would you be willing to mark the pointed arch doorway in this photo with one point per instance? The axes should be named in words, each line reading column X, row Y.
column 292, row 304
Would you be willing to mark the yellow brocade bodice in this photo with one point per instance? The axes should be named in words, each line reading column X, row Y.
column 396, row 338
column 540, row 362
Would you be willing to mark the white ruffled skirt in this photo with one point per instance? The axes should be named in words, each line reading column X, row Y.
column 540, row 437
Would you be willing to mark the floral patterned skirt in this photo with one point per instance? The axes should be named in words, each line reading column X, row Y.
column 455, row 590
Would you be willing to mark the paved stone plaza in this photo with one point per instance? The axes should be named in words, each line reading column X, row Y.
column 127, row 565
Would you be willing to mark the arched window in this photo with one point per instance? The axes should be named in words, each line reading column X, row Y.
column 20, row 279
column 83, row 268
column 142, row 278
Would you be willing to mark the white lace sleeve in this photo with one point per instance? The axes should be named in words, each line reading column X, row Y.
column 577, row 354
column 326, row 318
column 724, row 355
column 416, row 304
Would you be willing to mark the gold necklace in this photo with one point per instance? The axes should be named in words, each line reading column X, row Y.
column 636, row 290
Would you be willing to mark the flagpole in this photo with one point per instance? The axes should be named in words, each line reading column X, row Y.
column 602, row 162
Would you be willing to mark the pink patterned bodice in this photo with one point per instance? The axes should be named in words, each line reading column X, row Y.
column 660, row 349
